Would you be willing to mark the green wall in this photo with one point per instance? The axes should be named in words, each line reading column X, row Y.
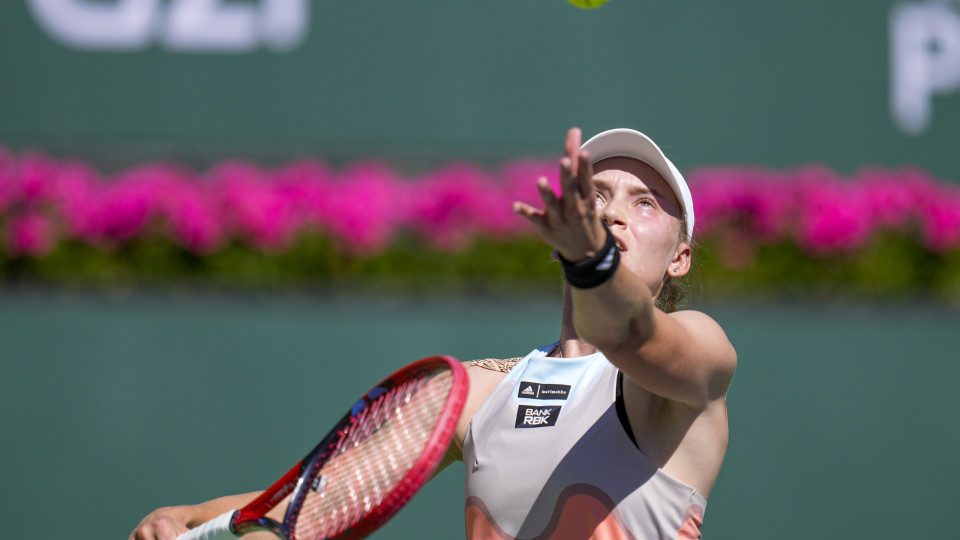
column 843, row 417
column 744, row 82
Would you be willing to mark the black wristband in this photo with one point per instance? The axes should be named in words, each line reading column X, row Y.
column 589, row 273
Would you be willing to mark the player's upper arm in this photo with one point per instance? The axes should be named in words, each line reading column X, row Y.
column 484, row 376
column 483, row 379
column 685, row 357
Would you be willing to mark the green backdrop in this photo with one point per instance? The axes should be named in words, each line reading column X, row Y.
column 743, row 82
column 843, row 417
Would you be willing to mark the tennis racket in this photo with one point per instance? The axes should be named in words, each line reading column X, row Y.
column 374, row 460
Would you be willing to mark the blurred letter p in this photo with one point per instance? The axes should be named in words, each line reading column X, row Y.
column 924, row 60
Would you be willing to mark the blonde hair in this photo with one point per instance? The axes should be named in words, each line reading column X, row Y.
column 674, row 290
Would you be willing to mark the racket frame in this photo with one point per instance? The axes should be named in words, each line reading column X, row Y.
column 300, row 478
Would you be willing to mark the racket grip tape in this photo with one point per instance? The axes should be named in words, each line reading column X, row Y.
column 217, row 528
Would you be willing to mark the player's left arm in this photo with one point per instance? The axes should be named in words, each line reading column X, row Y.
column 684, row 356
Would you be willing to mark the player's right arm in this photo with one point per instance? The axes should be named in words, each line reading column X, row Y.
column 171, row 521
column 484, row 376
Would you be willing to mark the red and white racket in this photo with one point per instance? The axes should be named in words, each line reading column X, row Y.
column 385, row 449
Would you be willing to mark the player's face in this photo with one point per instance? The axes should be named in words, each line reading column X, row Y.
column 644, row 216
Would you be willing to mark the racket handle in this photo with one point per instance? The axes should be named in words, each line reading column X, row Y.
column 217, row 528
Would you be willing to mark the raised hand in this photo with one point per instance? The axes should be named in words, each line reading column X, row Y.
column 568, row 223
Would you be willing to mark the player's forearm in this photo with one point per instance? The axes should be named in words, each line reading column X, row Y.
column 614, row 315
column 208, row 510
column 688, row 361
column 168, row 522
column 625, row 330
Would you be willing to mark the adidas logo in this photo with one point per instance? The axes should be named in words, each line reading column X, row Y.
column 534, row 390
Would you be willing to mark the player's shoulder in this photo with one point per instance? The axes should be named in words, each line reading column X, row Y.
column 486, row 373
column 707, row 331
column 697, row 320
column 692, row 314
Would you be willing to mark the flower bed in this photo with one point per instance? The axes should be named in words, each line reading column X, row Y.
column 880, row 231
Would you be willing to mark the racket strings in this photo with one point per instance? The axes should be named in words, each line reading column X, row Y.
column 382, row 445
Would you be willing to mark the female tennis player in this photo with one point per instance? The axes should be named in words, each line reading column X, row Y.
column 618, row 429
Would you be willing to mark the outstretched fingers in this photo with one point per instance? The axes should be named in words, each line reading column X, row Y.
column 551, row 205
column 568, row 184
column 550, row 201
column 585, row 175
column 576, row 173
column 567, row 221
column 569, row 165
column 530, row 213
column 571, row 145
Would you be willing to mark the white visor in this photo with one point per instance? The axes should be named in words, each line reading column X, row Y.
column 624, row 142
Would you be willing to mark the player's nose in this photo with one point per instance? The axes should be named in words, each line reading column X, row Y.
column 613, row 214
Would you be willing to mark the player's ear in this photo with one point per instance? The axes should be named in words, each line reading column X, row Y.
column 680, row 264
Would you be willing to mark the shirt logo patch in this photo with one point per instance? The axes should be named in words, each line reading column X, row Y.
column 534, row 390
column 531, row 416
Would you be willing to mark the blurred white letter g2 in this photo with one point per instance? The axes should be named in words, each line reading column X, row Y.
column 179, row 25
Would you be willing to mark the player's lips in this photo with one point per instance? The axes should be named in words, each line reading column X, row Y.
column 620, row 245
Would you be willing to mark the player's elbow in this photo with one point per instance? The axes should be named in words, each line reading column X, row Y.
column 620, row 337
column 616, row 342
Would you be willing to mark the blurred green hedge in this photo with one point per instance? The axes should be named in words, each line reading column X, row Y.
column 890, row 266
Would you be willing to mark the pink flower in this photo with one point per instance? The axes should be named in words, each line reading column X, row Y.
column 894, row 198
column 77, row 194
column 519, row 184
column 191, row 213
column 253, row 208
column 128, row 204
column 763, row 201
column 834, row 215
column 31, row 178
column 304, row 184
column 30, row 234
column 451, row 205
column 6, row 164
column 941, row 223
column 364, row 208
column 520, row 179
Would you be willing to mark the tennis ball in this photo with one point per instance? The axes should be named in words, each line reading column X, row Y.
column 587, row 4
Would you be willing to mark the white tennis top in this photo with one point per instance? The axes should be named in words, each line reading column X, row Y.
column 547, row 457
